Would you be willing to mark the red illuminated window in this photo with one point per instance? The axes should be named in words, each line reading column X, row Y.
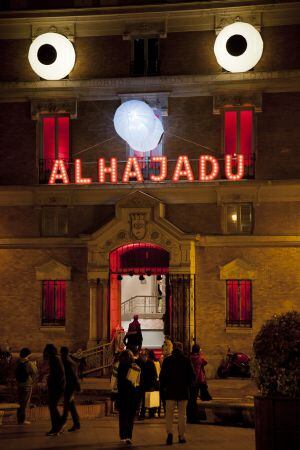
column 238, row 136
column 55, row 142
column 239, row 303
column 54, row 303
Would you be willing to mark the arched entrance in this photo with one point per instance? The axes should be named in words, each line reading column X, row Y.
column 139, row 284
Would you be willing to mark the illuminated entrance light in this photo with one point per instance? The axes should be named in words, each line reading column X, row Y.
column 111, row 170
column 51, row 56
column 183, row 169
column 234, row 170
column 229, row 166
column 78, row 174
column 238, row 47
column 132, row 170
column 59, row 172
column 203, row 175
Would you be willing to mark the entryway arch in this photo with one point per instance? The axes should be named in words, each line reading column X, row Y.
column 140, row 221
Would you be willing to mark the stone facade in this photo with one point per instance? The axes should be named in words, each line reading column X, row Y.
column 188, row 219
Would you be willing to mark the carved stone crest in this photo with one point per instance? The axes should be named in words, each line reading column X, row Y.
column 138, row 225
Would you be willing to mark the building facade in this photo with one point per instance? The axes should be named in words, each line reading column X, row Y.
column 226, row 246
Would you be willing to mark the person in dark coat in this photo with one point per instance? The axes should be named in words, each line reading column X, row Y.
column 176, row 378
column 72, row 386
column 198, row 363
column 56, row 383
column 134, row 337
column 26, row 374
column 127, row 400
column 149, row 383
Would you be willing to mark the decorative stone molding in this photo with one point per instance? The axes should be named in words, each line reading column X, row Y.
column 237, row 101
column 225, row 18
column 158, row 100
column 44, row 106
column 145, row 28
column 238, row 269
column 65, row 28
column 53, row 270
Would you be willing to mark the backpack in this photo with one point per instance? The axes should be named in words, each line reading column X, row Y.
column 22, row 372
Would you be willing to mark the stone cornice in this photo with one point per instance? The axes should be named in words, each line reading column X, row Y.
column 248, row 241
column 182, row 17
column 176, row 86
column 218, row 192
column 41, row 242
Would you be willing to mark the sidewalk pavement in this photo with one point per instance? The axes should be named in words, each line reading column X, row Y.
column 103, row 434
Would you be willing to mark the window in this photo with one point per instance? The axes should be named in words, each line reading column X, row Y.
column 238, row 136
column 239, row 303
column 55, row 143
column 145, row 53
column 238, row 218
column 54, row 221
column 54, row 303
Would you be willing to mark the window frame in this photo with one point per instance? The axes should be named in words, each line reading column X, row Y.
column 146, row 56
column 55, row 322
column 239, row 324
column 57, row 210
column 238, row 207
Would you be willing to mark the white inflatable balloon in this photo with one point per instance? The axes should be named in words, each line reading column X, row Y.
column 153, row 140
column 134, row 121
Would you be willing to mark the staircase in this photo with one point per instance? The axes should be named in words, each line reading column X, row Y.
column 96, row 359
column 143, row 304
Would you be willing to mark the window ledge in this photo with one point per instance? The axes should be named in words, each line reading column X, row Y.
column 53, row 328
column 238, row 330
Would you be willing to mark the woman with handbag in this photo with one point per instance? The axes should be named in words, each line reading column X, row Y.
column 128, row 380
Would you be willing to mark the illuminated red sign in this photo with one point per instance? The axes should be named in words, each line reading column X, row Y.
column 208, row 170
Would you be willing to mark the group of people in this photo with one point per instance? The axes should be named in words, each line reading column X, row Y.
column 62, row 382
column 178, row 378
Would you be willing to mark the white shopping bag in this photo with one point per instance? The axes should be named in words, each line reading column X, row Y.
column 152, row 399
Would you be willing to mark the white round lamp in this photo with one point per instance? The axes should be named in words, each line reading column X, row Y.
column 153, row 140
column 51, row 56
column 238, row 47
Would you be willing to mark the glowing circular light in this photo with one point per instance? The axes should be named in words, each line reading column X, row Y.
column 51, row 56
column 136, row 123
column 238, row 47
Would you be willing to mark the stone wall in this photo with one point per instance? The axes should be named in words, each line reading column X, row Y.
column 21, row 299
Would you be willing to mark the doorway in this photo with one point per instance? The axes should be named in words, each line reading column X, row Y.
column 138, row 285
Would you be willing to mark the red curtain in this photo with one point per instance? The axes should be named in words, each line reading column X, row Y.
column 48, row 141
column 54, row 301
column 56, row 139
column 63, row 138
column 245, row 298
column 230, row 132
column 239, row 303
column 246, row 121
column 233, row 301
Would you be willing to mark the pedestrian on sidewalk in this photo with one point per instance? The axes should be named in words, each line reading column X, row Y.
column 128, row 380
column 26, row 374
column 176, row 378
column 134, row 337
column 72, row 386
column 149, row 383
column 56, row 383
column 167, row 347
column 198, row 363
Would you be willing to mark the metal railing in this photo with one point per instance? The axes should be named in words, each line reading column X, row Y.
column 148, row 168
column 143, row 304
column 96, row 358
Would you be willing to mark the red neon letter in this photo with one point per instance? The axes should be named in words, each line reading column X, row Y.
column 132, row 163
column 59, row 166
column 162, row 169
column 183, row 169
column 203, row 175
column 240, row 167
column 112, row 170
column 78, row 174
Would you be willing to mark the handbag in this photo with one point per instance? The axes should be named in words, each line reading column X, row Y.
column 152, row 399
column 134, row 374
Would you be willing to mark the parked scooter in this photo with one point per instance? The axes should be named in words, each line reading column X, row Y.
column 235, row 364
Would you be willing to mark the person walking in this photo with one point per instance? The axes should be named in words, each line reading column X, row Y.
column 56, row 383
column 149, row 383
column 134, row 337
column 25, row 373
column 198, row 362
column 176, row 378
column 72, row 386
column 128, row 378
column 167, row 347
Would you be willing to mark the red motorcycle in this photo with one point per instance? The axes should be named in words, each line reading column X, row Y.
column 235, row 364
